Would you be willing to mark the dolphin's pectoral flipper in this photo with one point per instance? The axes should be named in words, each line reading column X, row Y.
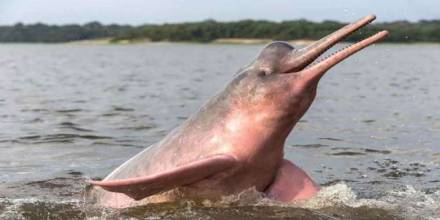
column 141, row 187
column 291, row 183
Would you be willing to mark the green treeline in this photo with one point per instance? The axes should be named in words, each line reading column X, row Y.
column 209, row 30
column 42, row 33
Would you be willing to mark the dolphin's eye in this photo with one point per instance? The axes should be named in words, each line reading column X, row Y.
column 262, row 73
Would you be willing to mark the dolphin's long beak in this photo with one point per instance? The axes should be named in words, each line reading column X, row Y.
column 299, row 59
column 316, row 71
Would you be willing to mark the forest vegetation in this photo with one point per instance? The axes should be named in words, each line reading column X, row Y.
column 211, row 30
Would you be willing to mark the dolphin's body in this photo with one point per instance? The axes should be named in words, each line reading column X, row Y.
column 235, row 141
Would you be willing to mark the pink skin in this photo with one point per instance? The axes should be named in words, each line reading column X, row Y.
column 281, row 189
column 235, row 141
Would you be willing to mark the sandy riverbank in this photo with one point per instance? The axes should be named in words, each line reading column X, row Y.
column 105, row 41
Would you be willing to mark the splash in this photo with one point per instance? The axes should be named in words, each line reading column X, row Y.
column 408, row 203
column 337, row 201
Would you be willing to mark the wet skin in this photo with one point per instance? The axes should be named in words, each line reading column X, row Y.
column 235, row 141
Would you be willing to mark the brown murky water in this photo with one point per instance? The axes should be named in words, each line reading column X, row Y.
column 73, row 112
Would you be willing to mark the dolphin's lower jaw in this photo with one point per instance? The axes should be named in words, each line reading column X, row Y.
column 235, row 142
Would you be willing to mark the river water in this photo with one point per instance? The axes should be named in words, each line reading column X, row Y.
column 73, row 112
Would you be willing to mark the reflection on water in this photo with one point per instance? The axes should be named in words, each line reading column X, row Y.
column 72, row 112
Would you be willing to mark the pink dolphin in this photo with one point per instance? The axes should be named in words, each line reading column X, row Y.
column 235, row 141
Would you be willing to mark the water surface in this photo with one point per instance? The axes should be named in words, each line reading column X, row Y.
column 73, row 112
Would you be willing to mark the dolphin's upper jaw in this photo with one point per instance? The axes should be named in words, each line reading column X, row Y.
column 304, row 60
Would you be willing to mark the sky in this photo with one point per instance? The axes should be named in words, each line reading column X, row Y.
column 137, row 12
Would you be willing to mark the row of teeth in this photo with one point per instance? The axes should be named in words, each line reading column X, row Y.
column 332, row 54
column 328, row 56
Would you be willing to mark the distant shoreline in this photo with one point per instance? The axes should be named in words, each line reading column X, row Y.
column 226, row 41
column 106, row 41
